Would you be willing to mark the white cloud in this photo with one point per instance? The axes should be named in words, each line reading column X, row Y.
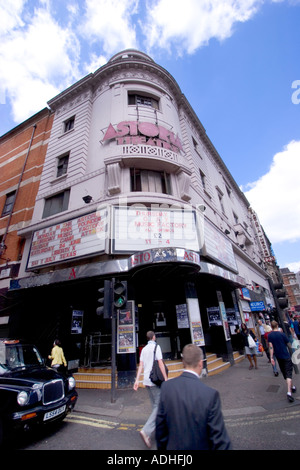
column 37, row 60
column 39, row 57
column 46, row 45
column 10, row 12
column 110, row 21
column 94, row 63
column 293, row 267
column 276, row 196
column 192, row 23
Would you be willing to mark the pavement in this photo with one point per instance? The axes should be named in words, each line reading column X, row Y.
column 242, row 392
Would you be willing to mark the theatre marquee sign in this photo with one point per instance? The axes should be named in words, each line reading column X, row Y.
column 140, row 228
column 73, row 238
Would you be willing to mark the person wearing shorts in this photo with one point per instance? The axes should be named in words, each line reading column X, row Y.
column 250, row 351
column 278, row 342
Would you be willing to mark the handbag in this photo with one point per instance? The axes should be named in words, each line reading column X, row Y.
column 260, row 348
column 251, row 342
column 156, row 375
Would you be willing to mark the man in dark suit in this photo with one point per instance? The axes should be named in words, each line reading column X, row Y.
column 189, row 414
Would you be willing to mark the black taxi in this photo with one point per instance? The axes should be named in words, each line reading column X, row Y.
column 30, row 392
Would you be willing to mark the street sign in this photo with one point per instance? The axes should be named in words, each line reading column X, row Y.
column 257, row 306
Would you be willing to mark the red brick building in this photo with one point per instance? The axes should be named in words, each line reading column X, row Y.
column 291, row 286
column 22, row 155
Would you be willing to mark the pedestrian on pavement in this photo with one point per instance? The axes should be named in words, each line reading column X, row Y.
column 189, row 416
column 238, row 340
column 146, row 363
column 278, row 342
column 262, row 330
column 274, row 365
column 57, row 356
column 250, row 348
column 296, row 327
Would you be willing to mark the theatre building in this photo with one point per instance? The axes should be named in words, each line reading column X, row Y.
column 133, row 190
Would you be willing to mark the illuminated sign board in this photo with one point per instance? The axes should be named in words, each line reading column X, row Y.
column 137, row 229
column 70, row 239
column 134, row 132
column 257, row 306
column 217, row 247
column 163, row 255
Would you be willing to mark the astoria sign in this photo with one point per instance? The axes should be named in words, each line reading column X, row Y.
column 136, row 133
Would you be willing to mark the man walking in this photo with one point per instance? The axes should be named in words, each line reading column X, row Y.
column 146, row 363
column 278, row 342
column 189, row 415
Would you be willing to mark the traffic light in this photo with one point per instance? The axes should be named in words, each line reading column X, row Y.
column 281, row 295
column 120, row 294
column 104, row 300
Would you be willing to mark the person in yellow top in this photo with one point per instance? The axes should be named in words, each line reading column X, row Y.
column 57, row 355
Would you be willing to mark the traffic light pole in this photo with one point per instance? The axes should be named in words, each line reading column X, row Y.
column 118, row 294
column 283, row 325
column 113, row 346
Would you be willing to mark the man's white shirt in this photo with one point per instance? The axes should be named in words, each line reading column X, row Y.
column 147, row 359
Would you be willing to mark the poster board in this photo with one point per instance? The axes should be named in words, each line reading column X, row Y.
column 224, row 316
column 77, row 322
column 196, row 329
column 126, row 329
column 182, row 316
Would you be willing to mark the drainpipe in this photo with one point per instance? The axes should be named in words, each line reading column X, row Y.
column 2, row 244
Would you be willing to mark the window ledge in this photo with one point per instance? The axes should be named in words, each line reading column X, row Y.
column 59, row 179
column 66, row 133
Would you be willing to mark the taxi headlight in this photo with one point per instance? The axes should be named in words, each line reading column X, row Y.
column 22, row 398
column 72, row 383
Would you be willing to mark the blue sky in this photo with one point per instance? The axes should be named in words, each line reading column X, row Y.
column 236, row 61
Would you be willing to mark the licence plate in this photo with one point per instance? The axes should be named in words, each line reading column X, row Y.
column 54, row 413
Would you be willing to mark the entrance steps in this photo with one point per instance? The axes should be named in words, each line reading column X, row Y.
column 94, row 377
column 100, row 377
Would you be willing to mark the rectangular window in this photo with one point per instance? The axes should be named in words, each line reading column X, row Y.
column 9, row 203
column 228, row 191
column 69, row 124
column 235, row 218
column 220, row 197
column 57, row 203
column 203, row 179
column 62, row 165
column 142, row 100
column 150, row 181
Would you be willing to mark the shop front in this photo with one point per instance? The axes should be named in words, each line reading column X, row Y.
column 169, row 290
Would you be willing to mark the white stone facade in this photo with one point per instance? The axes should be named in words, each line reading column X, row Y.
column 160, row 138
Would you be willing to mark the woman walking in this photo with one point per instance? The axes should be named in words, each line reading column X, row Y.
column 250, row 346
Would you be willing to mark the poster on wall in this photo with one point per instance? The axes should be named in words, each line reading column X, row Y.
column 225, row 321
column 232, row 320
column 73, row 238
column 223, row 316
column 195, row 322
column 182, row 316
column 126, row 329
column 77, row 322
column 231, row 316
column 214, row 316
